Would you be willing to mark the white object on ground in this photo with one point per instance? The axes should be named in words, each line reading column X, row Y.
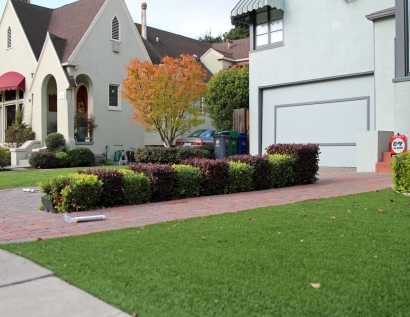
column 84, row 218
column 30, row 190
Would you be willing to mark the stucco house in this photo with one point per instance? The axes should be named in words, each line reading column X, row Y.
column 67, row 64
column 329, row 72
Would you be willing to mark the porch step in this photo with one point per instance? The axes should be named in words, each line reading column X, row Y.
column 23, row 163
column 383, row 167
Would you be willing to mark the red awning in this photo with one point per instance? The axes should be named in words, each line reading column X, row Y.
column 12, row 81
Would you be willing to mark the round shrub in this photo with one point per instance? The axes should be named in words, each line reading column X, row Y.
column 81, row 157
column 63, row 159
column 54, row 141
column 5, row 157
column 43, row 160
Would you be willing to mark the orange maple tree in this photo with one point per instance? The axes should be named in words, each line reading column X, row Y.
column 162, row 95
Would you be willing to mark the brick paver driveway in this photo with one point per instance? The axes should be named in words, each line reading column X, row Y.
column 20, row 220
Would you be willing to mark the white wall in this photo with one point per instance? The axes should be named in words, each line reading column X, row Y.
column 329, row 112
column 97, row 60
column 321, row 39
column 384, row 35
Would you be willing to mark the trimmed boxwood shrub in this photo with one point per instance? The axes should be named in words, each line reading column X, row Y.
column 5, row 157
column 188, row 181
column 240, row 177
column 54, row 141
column 137, row 188
column 401, row 172
column 63, row 159
column 306, row 158
column 162, row 178
column 113, row 186
column 82, row 193
column 260, row 164
column 215, row 173
column 173, row 155
column 73, row 192
column 281, row 170
column 81, row 157
column 43, row 160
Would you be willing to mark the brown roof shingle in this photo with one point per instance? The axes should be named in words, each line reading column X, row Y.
column 69, row 23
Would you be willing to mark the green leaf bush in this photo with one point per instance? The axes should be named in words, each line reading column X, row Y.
column 63, row 159
column 281, row 170
column 173, row 155
column 74, row 192
column 400, row 166
column 54, row 141
column 260, row 164
column 137, row 188
column 306, row 157
column 240, row 177
column 82, row 193
column 5, row 157
column 188, row 181
column 18, row 132
column 43, row 160
column 81, row 157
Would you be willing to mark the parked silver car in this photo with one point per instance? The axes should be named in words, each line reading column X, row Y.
column 197, row 138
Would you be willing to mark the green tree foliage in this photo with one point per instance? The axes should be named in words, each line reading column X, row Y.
column 236, row 34
column 226, row 91
column 18, row 132
column 233, row 34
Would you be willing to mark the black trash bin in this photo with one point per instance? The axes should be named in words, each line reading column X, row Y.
column 221, row 144
column 242, row 143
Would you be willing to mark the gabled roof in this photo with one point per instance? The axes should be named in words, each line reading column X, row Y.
column 239, row 49
column 171, row 44
column 68, row 23
column 34, row 20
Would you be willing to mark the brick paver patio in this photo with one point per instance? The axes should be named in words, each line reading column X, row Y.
column 21, row 221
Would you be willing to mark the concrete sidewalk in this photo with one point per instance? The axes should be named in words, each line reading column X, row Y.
column 27, row 289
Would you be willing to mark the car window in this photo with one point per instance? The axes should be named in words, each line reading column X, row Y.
column 207, row 133
column 196, row 133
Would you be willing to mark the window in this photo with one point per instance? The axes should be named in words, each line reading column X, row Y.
column 113, row 101
column 268, row 27
column 9, row 37
column 115, row 29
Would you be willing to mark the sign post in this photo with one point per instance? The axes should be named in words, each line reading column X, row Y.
column 397, row 144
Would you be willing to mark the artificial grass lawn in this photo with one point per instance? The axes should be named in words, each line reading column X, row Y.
column 253, row 263
column 31, row 177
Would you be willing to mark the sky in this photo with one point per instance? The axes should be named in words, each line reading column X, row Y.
column 184, row 17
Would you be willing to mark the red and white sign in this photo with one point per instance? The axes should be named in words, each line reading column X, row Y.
column 397, row 144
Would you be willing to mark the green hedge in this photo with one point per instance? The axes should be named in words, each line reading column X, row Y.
column 5, row 157
column 401, row 172
column 281, row 170
column 81, row 157
column 74, row 192
column 173, row 155
column 240, row 177
column 189, row 180
column 43, row 160
column 137, row 188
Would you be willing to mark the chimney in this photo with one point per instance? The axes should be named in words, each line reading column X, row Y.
column 157, row 38
column 144, row 20
column 230, row 42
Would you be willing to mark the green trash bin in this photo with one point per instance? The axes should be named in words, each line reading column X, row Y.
column 233, row 142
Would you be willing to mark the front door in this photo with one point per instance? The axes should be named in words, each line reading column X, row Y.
column 82, row 101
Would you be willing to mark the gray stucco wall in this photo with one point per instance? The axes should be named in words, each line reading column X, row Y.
column 103, row 67
column 384, row 34
column 322, row 39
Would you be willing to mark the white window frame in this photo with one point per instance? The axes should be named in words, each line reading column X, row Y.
column 118, row 107
column 112, row 29
column 9, row 38
column 269, row 32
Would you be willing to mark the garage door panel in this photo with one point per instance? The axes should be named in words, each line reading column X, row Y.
column 329, row 122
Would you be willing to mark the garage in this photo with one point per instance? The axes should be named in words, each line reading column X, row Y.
column 329, row 112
